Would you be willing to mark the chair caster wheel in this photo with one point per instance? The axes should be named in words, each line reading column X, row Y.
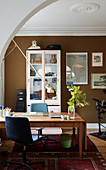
column 44, row 146
column 43, row 164
column 4, row 164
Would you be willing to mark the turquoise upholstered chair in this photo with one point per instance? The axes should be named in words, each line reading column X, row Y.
column 38, row 107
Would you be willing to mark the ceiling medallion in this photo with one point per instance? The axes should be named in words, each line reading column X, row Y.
column 85, row 8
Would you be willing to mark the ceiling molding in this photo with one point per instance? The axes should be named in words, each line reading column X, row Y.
column 62, row 31
column 85, row 8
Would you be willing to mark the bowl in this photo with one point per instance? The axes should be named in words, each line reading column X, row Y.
column 63, row 117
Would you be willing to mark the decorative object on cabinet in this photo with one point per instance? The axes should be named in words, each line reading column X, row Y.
column 34, row 45
column 77, row 68
column 98, row 80
column 97, row 59
column 54, row 47
column 31, row 61
column 34, row 96
column 50, row 74
column 78, row 99
column 49, row 89
column 32, row 73
column 54, row 79
column 53, row 59
column 37, row 60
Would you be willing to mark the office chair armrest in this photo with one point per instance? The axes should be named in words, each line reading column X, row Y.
column 39, row 128
column 39, row 131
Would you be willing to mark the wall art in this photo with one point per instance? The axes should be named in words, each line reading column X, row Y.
column 77, row 68
column 98, row 80
column 97, row 59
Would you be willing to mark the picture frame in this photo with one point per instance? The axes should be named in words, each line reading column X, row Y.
column 97, row 59
column 98, row 80
column 76, row 68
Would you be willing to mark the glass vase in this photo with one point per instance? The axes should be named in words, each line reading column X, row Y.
column 71, row 114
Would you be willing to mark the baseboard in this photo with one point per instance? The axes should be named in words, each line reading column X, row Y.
column 52, row 130
column 94, row 125
column 56, row 130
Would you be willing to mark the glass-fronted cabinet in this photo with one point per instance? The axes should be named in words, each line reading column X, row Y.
column 43, row 78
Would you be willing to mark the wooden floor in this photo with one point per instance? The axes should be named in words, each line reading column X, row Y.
column 101, row 145
column 7, row 145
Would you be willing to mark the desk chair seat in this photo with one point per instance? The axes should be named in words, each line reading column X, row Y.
column 18, row 130
column 41, row 107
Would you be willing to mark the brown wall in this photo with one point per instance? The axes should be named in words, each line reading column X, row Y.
column 15, row 68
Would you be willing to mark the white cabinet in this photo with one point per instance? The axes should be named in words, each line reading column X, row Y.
column 43, row 78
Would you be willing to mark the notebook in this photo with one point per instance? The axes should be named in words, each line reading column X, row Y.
column 55, row 116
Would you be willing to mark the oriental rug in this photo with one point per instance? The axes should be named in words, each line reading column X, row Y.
column 56, row 147
column 60, row 161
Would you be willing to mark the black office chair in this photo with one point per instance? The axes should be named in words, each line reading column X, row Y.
column 41, row 107
column 18, row 130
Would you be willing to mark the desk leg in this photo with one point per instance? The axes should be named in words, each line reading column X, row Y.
column 85, row 135
column 84, row 138
column 73, row 136
column 80, row 140
column 85, row 131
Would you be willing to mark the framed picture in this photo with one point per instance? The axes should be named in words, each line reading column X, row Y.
column 77, row 68
column 98, row 80
column 97, row 59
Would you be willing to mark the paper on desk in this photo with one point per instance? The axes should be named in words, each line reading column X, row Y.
column 33, row 114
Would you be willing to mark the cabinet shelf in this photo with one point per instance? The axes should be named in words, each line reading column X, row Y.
column 50, row 76
column 36, row 64
column 35, row 77
column 50, row 64
column 45, row 77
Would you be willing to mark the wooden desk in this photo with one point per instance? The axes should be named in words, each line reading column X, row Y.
column 47, row 121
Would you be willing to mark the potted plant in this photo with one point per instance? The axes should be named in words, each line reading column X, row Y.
column 78, row 98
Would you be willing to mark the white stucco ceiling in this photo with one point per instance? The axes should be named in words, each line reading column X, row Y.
column 60, row 19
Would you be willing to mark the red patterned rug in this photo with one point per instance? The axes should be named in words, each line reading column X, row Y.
column 58, row 158
column 61, row 161
column 53, row 147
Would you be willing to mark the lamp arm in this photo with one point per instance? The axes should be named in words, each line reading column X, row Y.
column 27, row 59
column 49, row 89
column 9, row 52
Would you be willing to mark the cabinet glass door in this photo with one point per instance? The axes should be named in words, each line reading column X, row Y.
column 35, row 80
column 51, row 76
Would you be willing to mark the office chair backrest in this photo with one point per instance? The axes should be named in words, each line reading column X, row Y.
column 18, row 129
column 38, row 107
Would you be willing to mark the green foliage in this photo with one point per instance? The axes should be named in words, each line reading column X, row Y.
column 78, row 97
